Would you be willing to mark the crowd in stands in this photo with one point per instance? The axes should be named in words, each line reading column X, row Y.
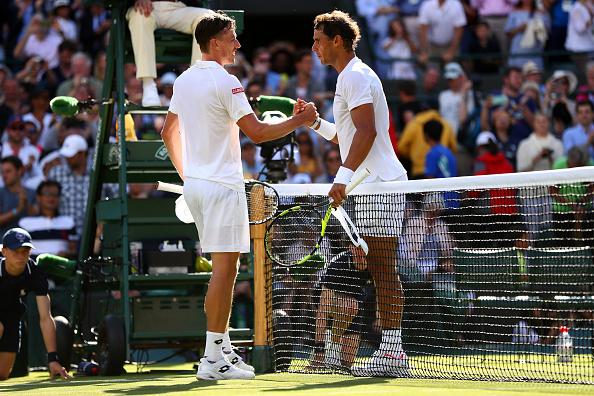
column 434, row 57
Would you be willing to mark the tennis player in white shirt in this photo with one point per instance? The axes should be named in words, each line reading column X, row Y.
column 201, row 133
column 361, row 131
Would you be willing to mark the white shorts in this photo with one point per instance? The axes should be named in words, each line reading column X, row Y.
column 380, row 215
column 220, row 214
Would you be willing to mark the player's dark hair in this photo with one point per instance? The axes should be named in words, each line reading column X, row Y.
column 339, row 23
column 210, row 26
column 433, row 130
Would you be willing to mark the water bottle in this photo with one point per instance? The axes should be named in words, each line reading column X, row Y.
column 564, row 346
column 88, row 368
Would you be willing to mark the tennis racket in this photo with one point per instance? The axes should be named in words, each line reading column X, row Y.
column 295, row 234
column 262, row 201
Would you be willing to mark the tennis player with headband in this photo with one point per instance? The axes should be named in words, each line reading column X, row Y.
column 361, row 131
column 202, row 137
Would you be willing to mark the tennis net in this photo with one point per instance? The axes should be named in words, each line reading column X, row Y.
column 484, row 278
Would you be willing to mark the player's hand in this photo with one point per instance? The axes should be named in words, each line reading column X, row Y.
column 56, row 369
column 338, row 194
column 299, row 106
column 145, row 7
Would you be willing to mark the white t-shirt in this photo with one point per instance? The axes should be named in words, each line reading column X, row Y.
column 580, row 37
column 532, row 146
column 449, row 107
column 46, row 49
column 441, row 20
column 209, row 101
column 357, row 85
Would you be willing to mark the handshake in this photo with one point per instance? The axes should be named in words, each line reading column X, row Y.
column 306, row 113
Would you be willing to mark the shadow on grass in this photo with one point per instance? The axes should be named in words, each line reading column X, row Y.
column 346, row 383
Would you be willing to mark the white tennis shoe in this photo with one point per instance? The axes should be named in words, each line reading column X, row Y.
column 383, row 364
column 221, row 370
column 238, row 362
column 332, row 354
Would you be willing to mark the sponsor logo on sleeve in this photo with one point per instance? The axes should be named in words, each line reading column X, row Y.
column 237, row 90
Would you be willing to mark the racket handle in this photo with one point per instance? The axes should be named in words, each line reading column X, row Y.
column 357, row 179
column 169, row 187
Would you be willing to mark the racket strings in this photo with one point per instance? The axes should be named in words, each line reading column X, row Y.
column 294, row 236
column 262, row 201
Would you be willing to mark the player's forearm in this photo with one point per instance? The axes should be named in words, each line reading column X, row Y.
column 360, row 148
column 173, row 144
column 48, row 330
column 266, row 132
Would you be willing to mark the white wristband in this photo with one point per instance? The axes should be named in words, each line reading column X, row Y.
column 344, row 176
column 327, row 130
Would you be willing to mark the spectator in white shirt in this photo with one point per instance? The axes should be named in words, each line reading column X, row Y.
column 540, row 150
column 580, row 38
column 377, row 14
column 400, row 48
column 441, row 26
column 62, row 23
column 456, row 103
column 17, row 145
column 41, row 40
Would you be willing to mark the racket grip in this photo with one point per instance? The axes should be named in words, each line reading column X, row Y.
column 357, row 179
column 169, row 187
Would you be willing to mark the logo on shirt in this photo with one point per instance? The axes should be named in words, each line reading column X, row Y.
column 237, row 90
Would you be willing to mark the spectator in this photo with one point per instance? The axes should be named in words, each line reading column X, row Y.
column 377, row 14
column 53, row 233
column 408, row 10
column 408, row 105
column 304, row 84
column 39, row 40
column 526, row 28
column 456, row 103
column 61, row 22
column 559, row 12
column 400, row 48
column 413, row 146
column 431, row 87
column 95, row 23
column 572, row 203
column 143, row 18
column 44, row 120
column 494, row 14
column 532, row 73
column 562, row 119
column 439, row 161
column 307, row 162
column 249, row 159
column 541, row 149
column 17, row 145
column 582, row 134
column 586, row 92
column 490, row 160
column 166, row 84
column 74, row 177
column 332, row 162
column 63, row 71
column 557, row 90
column 81, row 74
column 485, row 50
column 580, row 39
column 502, row 131
column 30, row 76
column 13, row 100
column 16, row 201
column 441, row 27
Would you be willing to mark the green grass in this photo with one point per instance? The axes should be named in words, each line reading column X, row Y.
column 179, row 380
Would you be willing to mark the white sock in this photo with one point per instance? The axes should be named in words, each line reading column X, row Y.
column 213, row 351
column 227, row 347
column 391, row 340
column 148, row 82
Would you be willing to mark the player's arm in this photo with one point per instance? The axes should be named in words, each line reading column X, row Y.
column 363, row 118
column 172, row 139
column 259, row 131
column 48, row 330
column 322, row 127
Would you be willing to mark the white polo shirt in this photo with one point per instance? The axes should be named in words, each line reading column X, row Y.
column 579, row 32
column 441, row 20
column 208, row 102
column 357, row 85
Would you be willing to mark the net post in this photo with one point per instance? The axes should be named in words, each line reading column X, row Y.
column 262, row 352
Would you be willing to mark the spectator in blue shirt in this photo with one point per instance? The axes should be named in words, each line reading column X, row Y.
column 582, row 134
column 440, row 162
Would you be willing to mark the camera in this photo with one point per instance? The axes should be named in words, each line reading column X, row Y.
column 547, row 152
column 277, row 154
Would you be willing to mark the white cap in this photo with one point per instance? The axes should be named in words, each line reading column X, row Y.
column 484, row 137
column 60, row 3
column 72, row 145
column 559, row 74
column 168, row 78
column 453, row 70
